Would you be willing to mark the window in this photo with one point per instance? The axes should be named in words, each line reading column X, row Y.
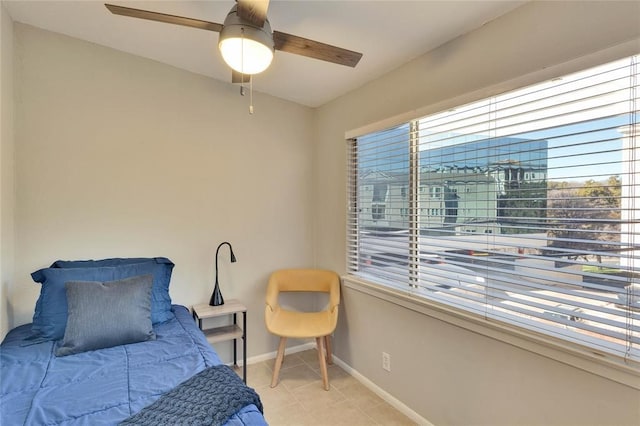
column 526, row 201
column 377, row 211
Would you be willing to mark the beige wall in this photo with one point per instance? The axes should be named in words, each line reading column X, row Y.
column 7, row 197
column 446, row 374
column 122, row 156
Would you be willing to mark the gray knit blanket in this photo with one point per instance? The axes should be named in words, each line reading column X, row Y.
column 208, row 398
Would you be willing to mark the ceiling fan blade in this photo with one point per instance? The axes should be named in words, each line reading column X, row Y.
column 163, row 17
column 314, row 49
column 254, row 11
column 238, row 77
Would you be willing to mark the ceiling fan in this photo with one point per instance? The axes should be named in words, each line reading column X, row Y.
column 246, row 40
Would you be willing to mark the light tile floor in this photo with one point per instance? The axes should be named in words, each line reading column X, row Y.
column 299, row 398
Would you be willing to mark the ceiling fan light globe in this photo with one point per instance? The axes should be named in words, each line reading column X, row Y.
column 245, row 55
column 245, row 47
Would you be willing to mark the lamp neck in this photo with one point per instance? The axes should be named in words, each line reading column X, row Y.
column 217, row 250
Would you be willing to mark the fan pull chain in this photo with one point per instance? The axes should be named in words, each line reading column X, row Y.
column 242, row 91
column 250, row 95
column 242, row 61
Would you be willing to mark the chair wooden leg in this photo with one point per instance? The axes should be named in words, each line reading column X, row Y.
column 279, row 358
column 327, row 346
column 323, row 364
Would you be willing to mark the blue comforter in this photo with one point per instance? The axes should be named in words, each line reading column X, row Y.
column 104, row 386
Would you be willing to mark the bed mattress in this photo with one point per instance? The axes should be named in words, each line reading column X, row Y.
column 104, row 386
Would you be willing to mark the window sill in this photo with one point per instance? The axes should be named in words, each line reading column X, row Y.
column 602, row 364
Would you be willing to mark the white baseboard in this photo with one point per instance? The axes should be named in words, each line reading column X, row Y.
column 386, row 396
column 272, row 355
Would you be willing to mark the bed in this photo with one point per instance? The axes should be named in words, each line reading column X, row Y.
column 51, row 380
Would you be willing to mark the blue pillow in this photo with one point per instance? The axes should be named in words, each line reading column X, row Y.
column 103, row 315
column 160, row 299
column 115, row 261
column 50, row 317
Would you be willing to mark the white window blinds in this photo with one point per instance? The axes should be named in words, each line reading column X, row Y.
column 519, row 208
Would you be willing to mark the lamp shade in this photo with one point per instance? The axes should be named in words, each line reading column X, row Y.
column 244, row 47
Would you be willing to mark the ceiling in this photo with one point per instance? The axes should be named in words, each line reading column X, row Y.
column 388, row 33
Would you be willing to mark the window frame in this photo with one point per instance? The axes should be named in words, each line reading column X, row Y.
column 624, row 371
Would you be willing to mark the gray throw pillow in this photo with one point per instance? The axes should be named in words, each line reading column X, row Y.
column 107, row 314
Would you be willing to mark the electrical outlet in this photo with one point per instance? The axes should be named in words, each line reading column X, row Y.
column 386, row 361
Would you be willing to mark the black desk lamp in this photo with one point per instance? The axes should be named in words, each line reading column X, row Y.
column 216, row 297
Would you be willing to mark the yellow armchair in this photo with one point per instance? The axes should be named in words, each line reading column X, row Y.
column 287, row 323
